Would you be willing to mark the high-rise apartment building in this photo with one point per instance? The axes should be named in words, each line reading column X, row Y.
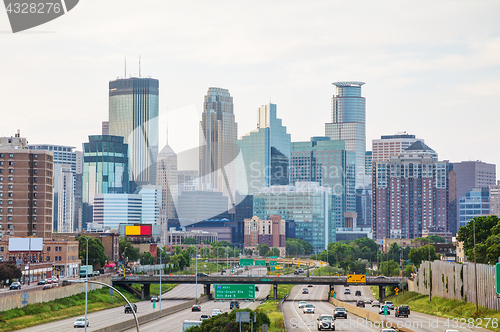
column 310, row 205
column 410, row 195
column 133, row 114
column 64, row 157
column 105, row 170
column 218, row 133
column 471, row 174
column 270, row 232
column 328, row 163
column 475, row 203
column 78, row 191
column 265, row 152
column 368, row 163
column 392, row 145
column 26, row 183
column 349, row 124
column 167, row 177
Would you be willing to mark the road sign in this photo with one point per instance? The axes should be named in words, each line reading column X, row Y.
column 299, row 264
column 396, row 290
column 273, row 263
column 332, row 292
column 111, row 291
column 272, row 268
column 265, row 328
column 266, row 279
column 273, row 256
column 154, row 305
column 246, row 262
column 234, row 291
column 278, row 267
column 24, row 302
column 386, row 311
column 356, row 278
column 243, row 316
column 260, row 262
column 497, row 277
column 25, row 296
column 320, row 264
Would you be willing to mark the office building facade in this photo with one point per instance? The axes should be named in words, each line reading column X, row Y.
column 309, row 205
column 410, row 196
column 133, row 114
column 111, row 210
column 475, row 203
column 151, row 203
column 349, row 123
column 266, row 153
column 26, row 196
column 494, row 195
column 105, row 170
column 326, row 162
column 196, row 206
column 218, row 133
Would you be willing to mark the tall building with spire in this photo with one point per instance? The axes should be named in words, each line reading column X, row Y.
column 133, row 114
column 349, row 124
column 167, row 178
column 218, row 133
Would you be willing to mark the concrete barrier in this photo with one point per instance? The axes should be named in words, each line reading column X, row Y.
column 364, row 313
column 38, row 295
column 129, row 324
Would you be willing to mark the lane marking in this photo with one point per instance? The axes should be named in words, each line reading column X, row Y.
column 293, row 305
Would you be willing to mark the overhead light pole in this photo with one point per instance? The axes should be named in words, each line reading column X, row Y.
column 86, row 279
column 475, row 266
column 429, row 253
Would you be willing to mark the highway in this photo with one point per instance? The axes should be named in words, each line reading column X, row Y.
column 297, row 321
column 417, row 321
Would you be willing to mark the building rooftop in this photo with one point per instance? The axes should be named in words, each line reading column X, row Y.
column 419, row 146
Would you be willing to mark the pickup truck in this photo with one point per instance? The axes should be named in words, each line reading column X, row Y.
column 402, row 310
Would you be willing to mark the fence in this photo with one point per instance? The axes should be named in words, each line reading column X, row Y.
column 457, row 281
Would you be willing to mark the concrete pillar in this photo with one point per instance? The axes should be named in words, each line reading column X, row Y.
column 207, row 291
column 275, row 292
column 145, row 291
column 381, row 293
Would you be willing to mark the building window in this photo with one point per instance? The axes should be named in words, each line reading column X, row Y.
column 10, row 211
column 1, row 170
column 34, row 194
column 34, row 218
column 48, row 249
column 35, row 164
column 9, row 218
column 11, row 194
column 35, row 171
column 11, row 163
column 11, row 171
column 34, row 202
column 34, row 210
column 35, row 179
column 34, row 187
column 1, row 178
column 11, row 178
column 11, row 155
column 10, row 202
column 34, row 226
column 35, row 156
column 10, row 186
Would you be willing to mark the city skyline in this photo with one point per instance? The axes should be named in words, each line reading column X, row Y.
column 423, row 78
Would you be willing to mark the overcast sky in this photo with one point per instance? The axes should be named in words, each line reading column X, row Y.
column 431, row 68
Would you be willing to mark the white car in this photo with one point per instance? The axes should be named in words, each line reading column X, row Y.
column 347, row 291
column 308, row 309
column 389, row 305
column 302, row 304
column 80, row 322
column 216, row 312
column 203, row 317
column 376, row 303
column 368, row 301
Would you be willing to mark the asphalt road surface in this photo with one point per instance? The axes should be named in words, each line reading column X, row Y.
column 417, row 321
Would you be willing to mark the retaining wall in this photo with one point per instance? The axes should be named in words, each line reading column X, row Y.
column 457, row 281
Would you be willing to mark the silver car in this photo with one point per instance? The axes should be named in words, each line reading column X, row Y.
column 308, row 309
column 80, row 322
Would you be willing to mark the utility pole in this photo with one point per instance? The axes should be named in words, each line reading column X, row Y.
column 475, row 265
column 429, row 253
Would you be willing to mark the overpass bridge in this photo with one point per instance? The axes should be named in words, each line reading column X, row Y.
column 207, row 281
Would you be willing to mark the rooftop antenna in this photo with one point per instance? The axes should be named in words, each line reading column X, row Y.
column 139, row 66
column 125, row 67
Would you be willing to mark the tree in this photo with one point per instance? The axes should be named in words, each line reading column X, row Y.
column 127, row 251
column 147, row 259
column 485, row 226
column 263, row 249
column 9, row 272
column 394, row 252
column 97, row 255
column 393, row 268
column 249, row 252
column 417, row 255
column 189, row 240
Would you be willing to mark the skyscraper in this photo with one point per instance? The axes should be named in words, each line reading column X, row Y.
column 66, row 200
column 411, row 195
column 349, row 124
column 133, row 114
column 266, row 153
column 105, row 170
column 167, row 178
column 218, row 132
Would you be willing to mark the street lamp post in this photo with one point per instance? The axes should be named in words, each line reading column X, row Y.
column 161, row 268
column 196, row 278
column 86, row 279
column 475, row 266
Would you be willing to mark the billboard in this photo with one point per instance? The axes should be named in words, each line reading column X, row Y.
column 356, row 278
column 24, row 244
column 138, row 230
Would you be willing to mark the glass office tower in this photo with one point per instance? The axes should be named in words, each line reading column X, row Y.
column 218, row 132
column 133, row 114
column 349, row 124
column 105, row 170
column 266, row 153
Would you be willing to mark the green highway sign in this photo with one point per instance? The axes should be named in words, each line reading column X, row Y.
column 273, row 256
column 234, row 291
column 260, row 262
column 272, row 268
column 266, row 279
column 246, row 262
column 497, row 277
column 273, row 263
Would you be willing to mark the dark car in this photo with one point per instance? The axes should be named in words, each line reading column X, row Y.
column 256, row 288
column 326, row 322
column 295, row 272
column 129, row 310
column 357, row 293
column 15, row 285
column 65, row 283
column 310, row 285
column 340, row 312
column 155, row 299
column 402, row 310
column 360, row 303
column 234, row 305
column 201, row 274
column 196, row 308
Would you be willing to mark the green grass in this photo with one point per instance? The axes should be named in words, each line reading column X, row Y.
column 155, row 288
column 272, row 310
column 40, row 313
column 445, row 308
